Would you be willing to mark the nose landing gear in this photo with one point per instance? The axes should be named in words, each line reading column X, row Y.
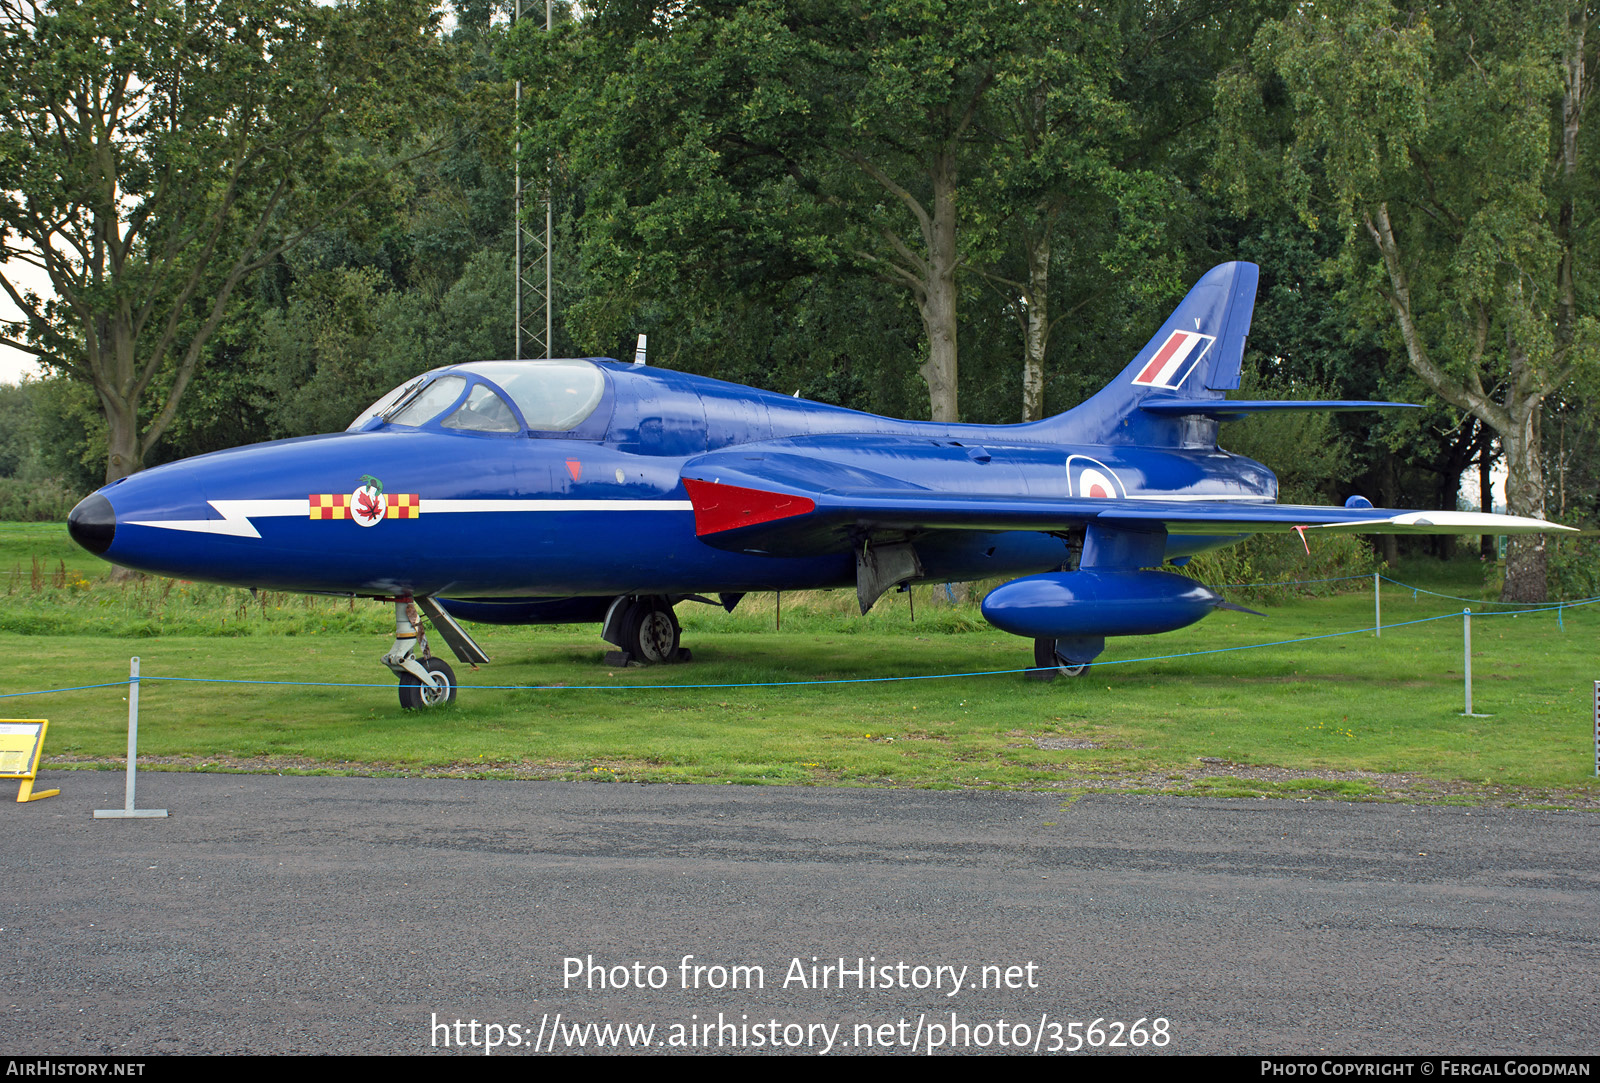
column 424, row 681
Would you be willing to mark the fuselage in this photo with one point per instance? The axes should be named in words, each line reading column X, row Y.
column 467, row 496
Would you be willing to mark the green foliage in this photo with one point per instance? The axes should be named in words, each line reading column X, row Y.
column 36, row 500
column 1303, row 447
column 42, row 474
column 1574, row 565
column 1310, row 457
column 1447, row 142
column 318, row 360
column 346, row 337
column 1274, row 567
column 18, row 429
column 360, row 307
column 153, row 156
column 737, row 173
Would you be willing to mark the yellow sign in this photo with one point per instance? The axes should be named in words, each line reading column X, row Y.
column 21, row 742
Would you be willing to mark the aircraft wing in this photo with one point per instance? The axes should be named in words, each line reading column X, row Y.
column 794, row 505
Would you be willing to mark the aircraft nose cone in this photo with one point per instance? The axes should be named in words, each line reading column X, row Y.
column 93, row 524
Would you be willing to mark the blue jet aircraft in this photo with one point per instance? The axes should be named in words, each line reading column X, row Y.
column 588, row 490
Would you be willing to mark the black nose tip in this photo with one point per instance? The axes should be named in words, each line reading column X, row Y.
column 92, row 523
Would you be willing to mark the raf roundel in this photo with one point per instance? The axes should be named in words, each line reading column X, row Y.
column 1089, row 478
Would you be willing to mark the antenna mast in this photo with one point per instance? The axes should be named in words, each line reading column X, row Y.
column 533, row 248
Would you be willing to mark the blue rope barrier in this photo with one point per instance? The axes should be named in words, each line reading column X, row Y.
column 1544, row 608
column 762, row 684
column 1292, row 582
column 1475, row 601
column 49, row 691
column 1556, row 609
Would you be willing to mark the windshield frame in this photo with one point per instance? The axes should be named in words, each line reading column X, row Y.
column 592, row 427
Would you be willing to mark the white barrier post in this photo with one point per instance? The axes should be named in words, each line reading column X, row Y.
column 1377, row 608
column 1597, row 729
column 127, row 811
column 1466, row 646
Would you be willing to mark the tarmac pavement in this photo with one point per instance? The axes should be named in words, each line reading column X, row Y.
column 273, row 914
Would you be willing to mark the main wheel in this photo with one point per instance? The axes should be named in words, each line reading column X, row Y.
column 651, row 632
column 414, row 695
column 1050, row 665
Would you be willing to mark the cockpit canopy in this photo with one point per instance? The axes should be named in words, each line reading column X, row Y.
column 493, row 396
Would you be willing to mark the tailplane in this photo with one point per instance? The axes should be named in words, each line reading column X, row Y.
column 1172, row 392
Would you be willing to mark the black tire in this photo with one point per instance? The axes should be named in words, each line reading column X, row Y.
column 414, row 696
column 1050, row 665
column 651, row 632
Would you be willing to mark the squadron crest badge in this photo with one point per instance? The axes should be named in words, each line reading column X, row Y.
column 368, row 504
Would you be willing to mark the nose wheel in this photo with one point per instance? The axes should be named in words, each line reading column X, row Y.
column 414, row 695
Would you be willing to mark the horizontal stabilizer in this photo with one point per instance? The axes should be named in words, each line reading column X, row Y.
column 1238, row 409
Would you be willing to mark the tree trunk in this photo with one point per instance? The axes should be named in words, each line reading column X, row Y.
column 1487, row 550
column 122, row 437
column 937, row 303
column 1525, row 553
column 112, row 362
column 1036, row 335
column 1515, row 420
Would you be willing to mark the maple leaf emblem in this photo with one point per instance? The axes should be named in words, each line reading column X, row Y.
column 368, row 506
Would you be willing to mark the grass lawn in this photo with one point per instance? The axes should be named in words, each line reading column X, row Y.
column 1349, row 716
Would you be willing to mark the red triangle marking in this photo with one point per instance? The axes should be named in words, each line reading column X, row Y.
column 727, row 507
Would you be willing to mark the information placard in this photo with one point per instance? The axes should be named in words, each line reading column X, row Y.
column 21, row 743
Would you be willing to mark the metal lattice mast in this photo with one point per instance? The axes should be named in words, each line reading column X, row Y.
column 533, row 312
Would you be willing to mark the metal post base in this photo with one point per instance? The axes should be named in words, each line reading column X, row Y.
column 127, row 811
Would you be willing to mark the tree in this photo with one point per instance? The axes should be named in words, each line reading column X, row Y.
column 726, row 150
column 153, row 155
column 1447, row 139
column 1053, row 187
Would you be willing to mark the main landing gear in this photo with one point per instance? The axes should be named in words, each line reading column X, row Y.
column 645, row 630
column 1052, row 662
column 424, row 681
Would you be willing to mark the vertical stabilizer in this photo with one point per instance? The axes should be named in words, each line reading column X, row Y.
column 1195, row 355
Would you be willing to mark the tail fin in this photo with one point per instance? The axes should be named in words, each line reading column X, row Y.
column 1195, row 355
